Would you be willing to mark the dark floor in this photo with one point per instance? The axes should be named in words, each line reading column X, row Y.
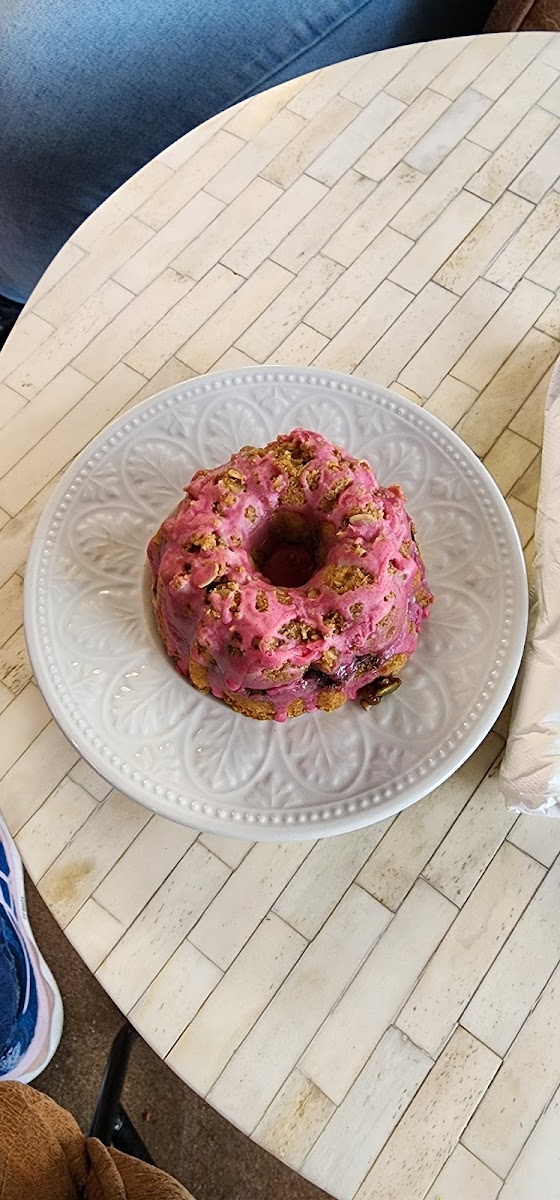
column 185, row 1136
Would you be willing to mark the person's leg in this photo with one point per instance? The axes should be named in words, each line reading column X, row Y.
column 30, row 1004
column 109, row 1169
column 45, row 1156
column 90, row 92
column 9, row 313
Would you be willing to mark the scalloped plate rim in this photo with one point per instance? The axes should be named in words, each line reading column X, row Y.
column 256, row 831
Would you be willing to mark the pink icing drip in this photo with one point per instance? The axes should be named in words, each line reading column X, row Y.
column 220, row 628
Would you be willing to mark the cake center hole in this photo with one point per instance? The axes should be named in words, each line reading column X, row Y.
column 288, row 565
column 288, row 550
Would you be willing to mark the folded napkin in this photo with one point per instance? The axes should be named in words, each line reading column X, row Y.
column 530, row 774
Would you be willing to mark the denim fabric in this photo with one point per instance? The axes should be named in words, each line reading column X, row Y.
column 18, row 987
column 90, row 90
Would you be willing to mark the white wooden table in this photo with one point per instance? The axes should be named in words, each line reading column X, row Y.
column 380, row 1010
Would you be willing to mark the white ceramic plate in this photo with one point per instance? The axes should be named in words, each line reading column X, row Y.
column 104, row 674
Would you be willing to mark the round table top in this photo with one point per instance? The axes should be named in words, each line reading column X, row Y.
column 347, row 1003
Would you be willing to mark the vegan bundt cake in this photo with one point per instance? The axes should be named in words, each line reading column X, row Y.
column 289, row 580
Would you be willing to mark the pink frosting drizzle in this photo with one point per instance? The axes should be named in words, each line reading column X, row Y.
column 296, row 642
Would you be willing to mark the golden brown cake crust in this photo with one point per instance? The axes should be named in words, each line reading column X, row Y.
column 250, row 706
column 272, row 644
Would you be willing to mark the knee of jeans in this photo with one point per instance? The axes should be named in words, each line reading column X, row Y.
column 39, row 209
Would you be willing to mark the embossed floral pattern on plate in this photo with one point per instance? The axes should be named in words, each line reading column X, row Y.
column 100, row 665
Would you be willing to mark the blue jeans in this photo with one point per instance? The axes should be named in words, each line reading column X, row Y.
column 90, row 90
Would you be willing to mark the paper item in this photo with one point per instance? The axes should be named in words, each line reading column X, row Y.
column 530, row 773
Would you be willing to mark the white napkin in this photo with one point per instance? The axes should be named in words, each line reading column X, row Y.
column 530, row 774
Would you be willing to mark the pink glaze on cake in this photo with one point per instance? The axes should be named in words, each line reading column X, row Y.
column 288, row 580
